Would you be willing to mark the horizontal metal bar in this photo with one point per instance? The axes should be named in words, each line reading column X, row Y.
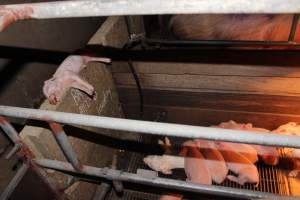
column 112, row 174
column 154, row 128
column 64, row 144
column 89, row 8
column 195, row 43
column 145, row 7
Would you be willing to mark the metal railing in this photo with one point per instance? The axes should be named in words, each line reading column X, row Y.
column 89, row 8
column 76, row 169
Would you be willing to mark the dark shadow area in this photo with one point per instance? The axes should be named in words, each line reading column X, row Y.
column 222, row 56
column 9, row 71
column 32, row 187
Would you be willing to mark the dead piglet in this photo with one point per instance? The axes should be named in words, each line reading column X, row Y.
column 67, row 76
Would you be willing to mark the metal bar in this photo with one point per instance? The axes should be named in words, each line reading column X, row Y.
column 101, row 191
column 13, row 151
column 112, row 174
column 89, row 8
column 154, row 128
column 14, row 182
column 195, row 43
column 65, row 146
column 294, row 27
column 144, row 7
column 9, row 130
column 19, row 146
column 118, row 185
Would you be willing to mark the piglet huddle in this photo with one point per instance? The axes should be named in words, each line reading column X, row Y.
column 205, row 162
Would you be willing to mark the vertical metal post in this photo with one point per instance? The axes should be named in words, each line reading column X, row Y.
column 294, row 28
column 65, row 145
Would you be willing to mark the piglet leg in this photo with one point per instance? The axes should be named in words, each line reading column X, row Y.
column 67, row 76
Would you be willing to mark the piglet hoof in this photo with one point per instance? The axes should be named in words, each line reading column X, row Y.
column 10, row 15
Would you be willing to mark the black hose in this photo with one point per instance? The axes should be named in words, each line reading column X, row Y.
column 137, row 81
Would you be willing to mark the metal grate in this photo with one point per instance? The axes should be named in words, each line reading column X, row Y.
column 272, row 178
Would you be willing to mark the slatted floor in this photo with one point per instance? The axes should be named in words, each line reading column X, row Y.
column 272, row 178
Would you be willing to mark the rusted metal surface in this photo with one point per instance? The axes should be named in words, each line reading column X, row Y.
column 88, row 8
column 62, row 140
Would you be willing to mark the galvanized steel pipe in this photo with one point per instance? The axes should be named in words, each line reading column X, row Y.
column 154, row 128
column 62, row 140
column 112, row 174
column 86, row 8
column 9, row 130
column 89, row 8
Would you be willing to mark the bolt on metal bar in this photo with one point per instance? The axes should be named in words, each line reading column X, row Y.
column 112, row 174
column 155, row 128
column 62, row 140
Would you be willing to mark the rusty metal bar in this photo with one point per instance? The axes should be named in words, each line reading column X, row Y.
column 13, row 136
column 155, row 128
column 9, row 130
column 112, row 174
column 64, row 144
column 89, row 8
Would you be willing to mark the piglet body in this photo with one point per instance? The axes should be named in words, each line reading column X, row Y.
column 293, row 154
column 171, row 197
column 67, row 75
column 268, row 154
column 214, row 160
column 240, row 165
column 195, row 166
column 164, row 163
